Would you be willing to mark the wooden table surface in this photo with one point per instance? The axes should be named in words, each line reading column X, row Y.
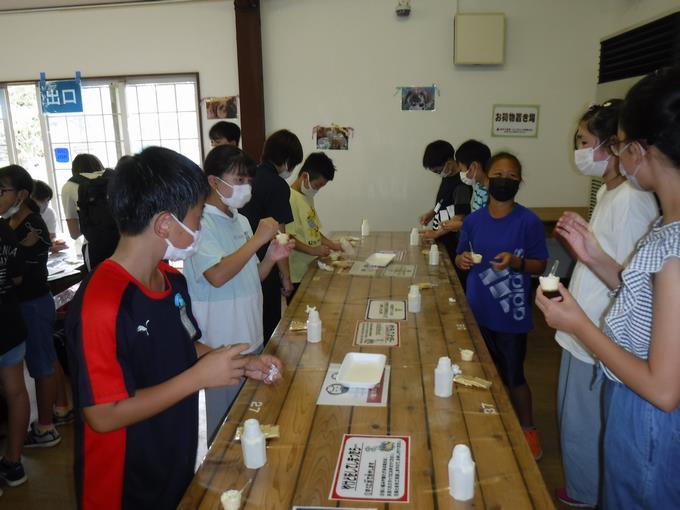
column 301, row 463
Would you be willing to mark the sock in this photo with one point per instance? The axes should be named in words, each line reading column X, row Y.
column 41, row 429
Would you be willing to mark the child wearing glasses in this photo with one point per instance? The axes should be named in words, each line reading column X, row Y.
column 639, row 344
column 620, row 218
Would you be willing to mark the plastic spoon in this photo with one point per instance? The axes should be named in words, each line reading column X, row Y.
column 553, row 269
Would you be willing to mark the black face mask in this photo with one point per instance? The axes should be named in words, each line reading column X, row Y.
column 503, row 188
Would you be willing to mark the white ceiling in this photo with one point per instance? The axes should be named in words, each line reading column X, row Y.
column 12, row 5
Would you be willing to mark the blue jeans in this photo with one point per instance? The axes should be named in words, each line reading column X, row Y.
column 39, row 315
column 641, row 453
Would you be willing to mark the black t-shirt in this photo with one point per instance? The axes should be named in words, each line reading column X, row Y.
column 271, row 198
column 123, row 337
column 13, row 328
column 453, row 198
column 33, row 258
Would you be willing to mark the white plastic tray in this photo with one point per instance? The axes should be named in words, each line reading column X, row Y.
column 380, row 259
column 361, row 370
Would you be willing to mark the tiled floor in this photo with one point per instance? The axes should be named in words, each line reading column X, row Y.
column 50, row 483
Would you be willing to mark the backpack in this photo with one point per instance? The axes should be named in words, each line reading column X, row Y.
column 96, row 221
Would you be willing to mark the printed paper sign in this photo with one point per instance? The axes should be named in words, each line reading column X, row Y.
column 335, row 394
column 326, row 508
column 377, row 334
column 361, row 268
column 380, row 309
column 400, row 271
column 515, row 120
column 372, row 468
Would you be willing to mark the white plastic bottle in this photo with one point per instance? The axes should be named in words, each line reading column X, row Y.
column 313, row 325
column 434, row 255
column 462, row 474
column 365, row 228
column 443, row 378
column 414, row 299
column 253, row 444
column 414, row 238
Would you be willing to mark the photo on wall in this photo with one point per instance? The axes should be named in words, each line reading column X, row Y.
column 222, row 107
column 418, row 98
column 333, row 138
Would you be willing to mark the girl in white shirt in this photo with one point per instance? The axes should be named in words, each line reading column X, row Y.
column 620, row 218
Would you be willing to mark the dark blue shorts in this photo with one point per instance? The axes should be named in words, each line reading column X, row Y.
column 507, row 351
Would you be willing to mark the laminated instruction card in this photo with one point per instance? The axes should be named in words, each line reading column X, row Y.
column 362, row 268
column 372, row 468
column 400, row 271
column 377, row 334
column 381, row 309
column 335, row 394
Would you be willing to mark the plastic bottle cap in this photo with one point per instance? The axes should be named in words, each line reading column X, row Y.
column 444, row 362
column 251, row 426
column 313, row 314
column 461, row 454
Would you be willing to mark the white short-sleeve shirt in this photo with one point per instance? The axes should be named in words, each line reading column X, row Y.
column 232, row 313
column 620, row 219
column 69, row 196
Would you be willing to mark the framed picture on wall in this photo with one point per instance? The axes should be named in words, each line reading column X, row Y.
column 515, row 120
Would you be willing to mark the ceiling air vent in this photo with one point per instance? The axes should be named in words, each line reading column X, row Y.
column 641, row 50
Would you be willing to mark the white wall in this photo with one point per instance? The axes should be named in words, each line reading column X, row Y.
column 328, row 61
column 139, row 39
column 340, row 61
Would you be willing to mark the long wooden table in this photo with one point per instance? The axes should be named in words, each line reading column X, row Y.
column 301, row 463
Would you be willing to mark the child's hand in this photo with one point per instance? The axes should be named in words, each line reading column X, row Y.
column 425, row 218
column 322, row 251
column 430, row 234
column 278, row 251
column 563, row 314
column 222, row 367
column 267, row 228
column 576, row 232
column 334, row 246
column 264, row 367
column 452, row 225
column 464, row 261
column 501, row 261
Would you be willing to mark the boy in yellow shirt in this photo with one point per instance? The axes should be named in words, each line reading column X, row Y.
column 310, row 243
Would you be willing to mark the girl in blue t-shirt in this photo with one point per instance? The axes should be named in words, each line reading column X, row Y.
column 511, row 241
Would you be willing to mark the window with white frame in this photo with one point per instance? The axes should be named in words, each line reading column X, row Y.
column 4, row 129
column 120, row 116
column 163, row 112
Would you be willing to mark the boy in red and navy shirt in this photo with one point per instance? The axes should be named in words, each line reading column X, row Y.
column 133, row 344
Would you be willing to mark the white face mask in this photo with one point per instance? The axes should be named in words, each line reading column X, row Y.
column 172, row 252
column 632, row 178
column 308, row 191
column 584, row 159
column 467, row 180
column 286, row 173
column 12, row 210
column 240, row 194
